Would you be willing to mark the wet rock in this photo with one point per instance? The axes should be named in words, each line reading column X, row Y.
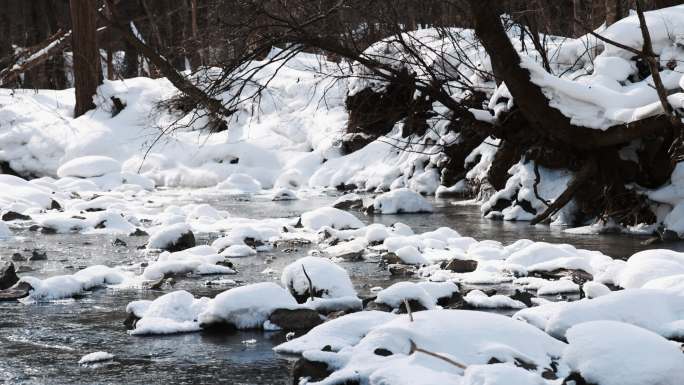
column 55, row 205
column 186, row 241
column 119, row 242
column 17, row 292
column 138, row 233
column 253, row 243
column 295, row 319
column 523, row 297
column 349, row 204
column 24, row 269
column 354, row 142
column 34, row 228
column 37, row 255
column 577, row 276
column 130, row 321
column 461, row 265
column 8, row 276
column 390, row 258
column 14, row 216
column 17, row 257
column 399, row 270
column 315, row 371
column 576, row 379
column 382, row 352
column 372, row 305
column 454, row 301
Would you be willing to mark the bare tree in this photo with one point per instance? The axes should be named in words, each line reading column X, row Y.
column 87, row 69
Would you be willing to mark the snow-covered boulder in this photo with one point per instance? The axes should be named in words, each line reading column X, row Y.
column 200, row 260
column 649, row 265
column 467, row 337
column 328, row 279
column 410, row 256
column 415, row 294
column 400, row 201
column 247, row 307
column 67, row 286
column 616, row 353
column 237, row 251
column 174, row 237
column 478, row 299
column 175, row 312
column 89, row 166
column 242, row 183
column 330, row 217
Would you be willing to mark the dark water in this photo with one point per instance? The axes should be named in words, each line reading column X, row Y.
column 42, row 343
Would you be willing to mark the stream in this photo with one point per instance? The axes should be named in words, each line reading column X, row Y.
column 42, row 343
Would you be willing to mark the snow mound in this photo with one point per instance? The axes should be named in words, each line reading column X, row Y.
column 242, row 183
column 395, row 295
column 200, row 260
column 410, row 255
column 95, row 357
column 168, row 237
column 649, row 265
column 328, row 279
column 401, row 200
column 338, row 333
column 19, row 195
column 175, row 312
column 655, row 310
column 89, row 166
column 479, row 299
column 330, row 217
column 467, row 337
column 247, row 307
column 67, row 286
column 616, row 353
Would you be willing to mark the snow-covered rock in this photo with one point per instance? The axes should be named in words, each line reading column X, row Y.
column 175, row 312
column 328, row 279
column 95, row 357
column 173, row 237
column 401, row 200
column 89, row 166
column 616, row 353
column 247, row 307
column 330, row 217
column 242, row 183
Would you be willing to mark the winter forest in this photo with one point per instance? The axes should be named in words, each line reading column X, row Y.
column 342, row 192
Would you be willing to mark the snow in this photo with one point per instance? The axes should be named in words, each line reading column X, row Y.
column 482, row 337
column 616, row 353
column 234, row 251
column 95, row 357
column 247, row 307
column 330, row 217
column 197, row 260
column 175, row 312
column 649, row 265
column 67, row 286
column 479, row 299
column 89, row 166
column 241, row 183
column 395, row 295
column 326, row 276
column 164, row 237
column 338, row 333
column 410, row 255
column 655, row 310
column 400, row 201
column 5, row 231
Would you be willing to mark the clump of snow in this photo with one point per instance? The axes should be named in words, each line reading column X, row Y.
column 338, row 333
column 242, row 183
column 201, row 260
column 400, row 201
column 649, row 265
column 593, row 289
column 89, row 166
column 175, row 312
column 328, row 279
column 616, row 353
column 330, row 217
column 95, row 357
column 410, row 255
column 395, row 295
column 236, row 251
column 67, row 286
column 247, row 307
column 477, row 298
column 167, row 236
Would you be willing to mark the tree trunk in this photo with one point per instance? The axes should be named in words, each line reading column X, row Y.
column 86, row 56
column 613, row 11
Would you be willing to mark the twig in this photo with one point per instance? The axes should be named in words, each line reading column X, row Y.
column 408, row 310
column 311, row 289
column 415, row 348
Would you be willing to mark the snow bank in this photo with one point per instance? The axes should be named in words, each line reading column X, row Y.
column 89, row 166
column 616, row 353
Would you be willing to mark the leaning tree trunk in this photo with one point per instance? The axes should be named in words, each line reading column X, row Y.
column 86, row 56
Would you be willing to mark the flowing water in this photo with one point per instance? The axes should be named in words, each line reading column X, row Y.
column 42, row 343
